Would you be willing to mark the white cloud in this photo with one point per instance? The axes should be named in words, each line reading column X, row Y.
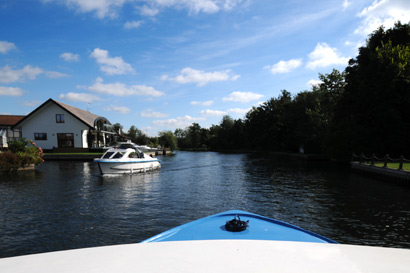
column 8, row 75
column 203, row 103
column 118, row 109
column 120, row 89
column 111, row 66
column 149, row 113
column 6, row 46
column 323, row 56
column 312, row 83
column 101, row 8
column 242, row 97
column 32, row 103
column 206, row 6
column 284, row 66
column 194, row 6
column 10, row 91
column 132, row 24
column 383, row 12
column 148, row 11
column 55, row 74
column 213, row 112
column 180, row 122
column 70, row 57
column 190, row 75
column 111, row 8
column 80, row 97
column 239, row 111
column 346, row 4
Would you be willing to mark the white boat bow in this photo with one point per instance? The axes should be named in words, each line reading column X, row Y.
column 216, row 256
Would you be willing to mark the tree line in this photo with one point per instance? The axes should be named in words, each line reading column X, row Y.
column 365, row 108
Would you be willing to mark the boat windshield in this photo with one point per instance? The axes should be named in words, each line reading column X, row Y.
column 118, row 155
column 108, row 154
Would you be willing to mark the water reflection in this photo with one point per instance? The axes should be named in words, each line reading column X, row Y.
column 66, row 205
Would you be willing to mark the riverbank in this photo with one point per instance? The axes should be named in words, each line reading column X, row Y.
column 382, row 173
column 86, row 157
column 89, row 157
column 307, row 157
column 71, row 157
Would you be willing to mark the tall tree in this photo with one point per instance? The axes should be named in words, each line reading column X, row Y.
column 168, row 140
column 137, row 136
column 118, row 128
column 132, row 133
column 267, row 125
column 181, row 136
column 194, row 136
column 373, row 115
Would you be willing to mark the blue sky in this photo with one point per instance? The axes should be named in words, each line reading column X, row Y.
column 165, row 64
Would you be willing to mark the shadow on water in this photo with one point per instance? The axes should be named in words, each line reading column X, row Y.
column 66, row 205
column 334, row 202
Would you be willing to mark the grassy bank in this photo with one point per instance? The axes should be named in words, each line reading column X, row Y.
column 395, row 166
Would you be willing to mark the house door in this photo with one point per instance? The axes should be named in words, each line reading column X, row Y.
column 65, row 140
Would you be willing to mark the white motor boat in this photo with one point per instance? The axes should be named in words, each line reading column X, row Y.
column 126, row 161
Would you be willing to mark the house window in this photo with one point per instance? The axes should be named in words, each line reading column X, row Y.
column 60, row 118
column 65, row 140
column 40, row 136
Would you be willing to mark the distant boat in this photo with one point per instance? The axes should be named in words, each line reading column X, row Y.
column 125, row 160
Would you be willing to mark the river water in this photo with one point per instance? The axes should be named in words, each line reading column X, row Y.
column 67, row 205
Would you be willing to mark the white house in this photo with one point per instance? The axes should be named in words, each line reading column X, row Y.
column 58, row 125
column 7, row 133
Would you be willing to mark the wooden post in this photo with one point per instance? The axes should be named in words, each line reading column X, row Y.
column 401, row 163
column 385, row 160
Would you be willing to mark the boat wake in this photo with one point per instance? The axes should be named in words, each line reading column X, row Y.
column 164, row 170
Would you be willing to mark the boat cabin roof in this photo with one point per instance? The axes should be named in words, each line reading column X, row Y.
column 126, row 145
column 118, row 153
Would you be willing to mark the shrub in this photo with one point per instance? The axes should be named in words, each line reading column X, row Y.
column 22, row 153
column 10, row 162
column 32, row 154
column 18, row 145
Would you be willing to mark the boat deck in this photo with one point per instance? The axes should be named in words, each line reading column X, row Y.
column 216, row 256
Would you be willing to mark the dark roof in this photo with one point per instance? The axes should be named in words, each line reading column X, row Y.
column 82, row 115
column 9, row 120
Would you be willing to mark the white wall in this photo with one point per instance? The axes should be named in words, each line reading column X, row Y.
column 44, row 121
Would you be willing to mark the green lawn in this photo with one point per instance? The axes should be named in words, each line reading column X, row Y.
column 406, row 166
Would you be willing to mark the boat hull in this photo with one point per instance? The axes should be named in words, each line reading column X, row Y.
column 127, row 167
